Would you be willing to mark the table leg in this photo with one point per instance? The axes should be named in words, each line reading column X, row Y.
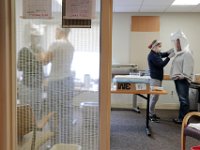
column 198, row 109
column 147, row 116
column 147, row 113
column 135, row 108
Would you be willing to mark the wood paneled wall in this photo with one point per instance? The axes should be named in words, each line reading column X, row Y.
column 145, row 24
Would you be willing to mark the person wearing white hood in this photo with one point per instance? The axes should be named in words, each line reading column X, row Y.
column 156, row 65
column 182, row 72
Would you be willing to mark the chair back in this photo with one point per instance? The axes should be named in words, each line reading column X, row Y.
column 25, row 120
column 66, row 147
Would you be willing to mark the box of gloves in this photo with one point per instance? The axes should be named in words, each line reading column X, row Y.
column 132, row 86
column 132, row 82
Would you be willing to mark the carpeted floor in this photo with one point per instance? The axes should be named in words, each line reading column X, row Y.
column 128, row 132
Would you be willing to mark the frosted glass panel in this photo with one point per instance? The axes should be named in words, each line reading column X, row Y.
column 57, row 83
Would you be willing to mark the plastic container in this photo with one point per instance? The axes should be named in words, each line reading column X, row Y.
column 195, row 147
column 66, row 147
column 193, row 99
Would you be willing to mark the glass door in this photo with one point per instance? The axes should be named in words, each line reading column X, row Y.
column 57, row 82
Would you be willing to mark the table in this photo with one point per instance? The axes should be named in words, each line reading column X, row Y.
column 147, row 97
column 196, row 85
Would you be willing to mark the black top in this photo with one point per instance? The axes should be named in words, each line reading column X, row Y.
column 156, row 64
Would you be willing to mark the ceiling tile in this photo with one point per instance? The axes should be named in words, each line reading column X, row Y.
column 150, row 6
column 180, row 9
column 158, row 2
column 147, row 8
column 196, row 9
column 126, row 8
column 127, row 2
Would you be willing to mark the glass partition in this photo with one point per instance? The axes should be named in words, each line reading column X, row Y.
column 57, row 82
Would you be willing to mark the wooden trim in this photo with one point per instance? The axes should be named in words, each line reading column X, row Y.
column 105, row 73
column 7, row 126
column 160, row 92
column 13, row 104
column 3, row 95
column 145, row 23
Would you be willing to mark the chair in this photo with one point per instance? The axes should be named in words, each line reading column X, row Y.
column 30, row 134
column 188, row 130
column 66, row 147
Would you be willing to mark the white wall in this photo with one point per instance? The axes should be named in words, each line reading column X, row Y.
column 121, row 38
column 169, row 22
column 139, row 51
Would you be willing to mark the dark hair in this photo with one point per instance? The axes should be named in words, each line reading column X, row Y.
column 153, row 42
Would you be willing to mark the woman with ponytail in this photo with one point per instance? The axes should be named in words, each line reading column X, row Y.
column 156, row 66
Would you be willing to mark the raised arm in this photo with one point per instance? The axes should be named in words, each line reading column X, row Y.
column 45, row 57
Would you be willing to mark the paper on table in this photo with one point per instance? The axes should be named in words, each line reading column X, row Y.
column 140, row 86
column 156, row 88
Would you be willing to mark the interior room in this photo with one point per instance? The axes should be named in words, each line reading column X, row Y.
column 81, row 75
column 131, row 38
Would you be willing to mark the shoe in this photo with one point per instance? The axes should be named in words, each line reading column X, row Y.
column 153, row 118
column 157, row 117
column 177, row 121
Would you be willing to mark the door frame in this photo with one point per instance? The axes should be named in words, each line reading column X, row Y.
column 8, row 75
column 105, row 72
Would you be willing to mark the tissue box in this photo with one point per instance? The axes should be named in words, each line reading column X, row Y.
column 133, row 86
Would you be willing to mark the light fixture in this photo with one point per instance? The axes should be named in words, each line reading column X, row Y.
column 186, row 2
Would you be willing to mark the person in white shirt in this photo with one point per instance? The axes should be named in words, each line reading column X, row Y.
column 60, row 83
column 182, row 72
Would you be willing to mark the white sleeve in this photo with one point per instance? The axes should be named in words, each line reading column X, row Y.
column 188, row 65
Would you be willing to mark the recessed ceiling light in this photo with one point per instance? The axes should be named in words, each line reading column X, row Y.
column 186, row 2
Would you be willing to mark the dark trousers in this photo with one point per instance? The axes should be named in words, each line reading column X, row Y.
column 182, row 89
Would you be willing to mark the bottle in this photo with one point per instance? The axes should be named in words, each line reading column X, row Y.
column 87, row 79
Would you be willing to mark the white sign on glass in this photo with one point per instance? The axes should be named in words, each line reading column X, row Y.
column 37, row 9
column 79, row 9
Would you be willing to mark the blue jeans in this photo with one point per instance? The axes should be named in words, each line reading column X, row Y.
column 154, row 97
column 60, row 100
column 182, row 89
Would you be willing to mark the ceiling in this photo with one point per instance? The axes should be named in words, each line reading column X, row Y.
column 151, row 6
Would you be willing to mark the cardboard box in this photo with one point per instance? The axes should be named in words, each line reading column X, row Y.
column 197, row 78
column 133, row 86
column 166, row 77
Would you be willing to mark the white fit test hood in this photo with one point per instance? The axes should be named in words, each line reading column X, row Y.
column 183, row 40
